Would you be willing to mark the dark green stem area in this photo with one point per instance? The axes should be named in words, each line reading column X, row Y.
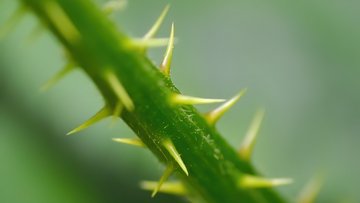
column 95, row 44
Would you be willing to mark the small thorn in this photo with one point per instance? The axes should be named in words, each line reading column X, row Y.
column 117, row 112
column 169, row 146
column 168, row 171
column 250, row 181
column 113, row 6
column 11, row 23
column 248, row 144
column 166, row 64
column 213, row 116
column 103, row 113
column 58, row 76
column 188, row 100
column 174, row 188
column 35, row 33
column 119, row 90
column 311, row 190
column 134, row 142
column 154, row 29
column 153, row 42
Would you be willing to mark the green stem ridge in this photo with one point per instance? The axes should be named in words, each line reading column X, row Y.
column 208, row 166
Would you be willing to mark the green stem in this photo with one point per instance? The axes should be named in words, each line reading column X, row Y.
column 93, row 42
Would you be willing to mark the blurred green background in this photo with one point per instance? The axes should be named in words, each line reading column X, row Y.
column 299, row 60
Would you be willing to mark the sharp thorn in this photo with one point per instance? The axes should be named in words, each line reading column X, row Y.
column 58, row 76
column 248, row 144
column 113, row 6
column 213, row 116
column 188, row 100
column 166, row 64
column 119, row 90
column 134, row 142
column 174, row 188
column 250, row 181
column 154, row 29
column 168, row 171
column 169, row 146
column 311, row 190
column 11, row 23
column 103, row 113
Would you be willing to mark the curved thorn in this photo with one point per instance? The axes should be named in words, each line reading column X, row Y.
column 154, row 29
column 168, row 171
column 119, row 90
column 58, row 76
column 213, row 116
column 248, row 144
column 188, row 100
column 11, row 23
column 169, row 146
column 311, row 190
column 250, row 181
column 112, row 6
column 103, row 113
column 174, row 188
column 134, row 142
column 166, row 64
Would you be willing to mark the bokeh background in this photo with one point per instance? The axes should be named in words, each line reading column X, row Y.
column 299, row 60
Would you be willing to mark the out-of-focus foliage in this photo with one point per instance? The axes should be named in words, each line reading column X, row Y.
column 299, row 59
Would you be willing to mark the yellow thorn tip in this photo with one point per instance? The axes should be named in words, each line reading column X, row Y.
column 169, row 146
column 57, row 77
column 188, row 100
column 249, row 142
column 154, row 29
column 213, row 116
column 168, row 171
column 250, row 181
column 103, row 113
column 310, row 191
column 166, row 64
column 130, row 141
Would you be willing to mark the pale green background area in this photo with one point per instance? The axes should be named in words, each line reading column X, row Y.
column 298, row 59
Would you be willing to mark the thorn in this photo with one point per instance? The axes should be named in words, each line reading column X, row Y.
column 153, row 42
column 166, row 64
column 58, row 76
column 11, row 23
column 311, row 190
column 174, row 188
column 213, row 116
column 134, row 142
column 103, row 113
column 188, row 100
column 248, row 144
column 169, row 146
column 61, row 21
column 119, row 90
column 112, row 6
column 154, row 29
column 117, row 112
column 168, row 171
column 250, row 181
column 35, row 33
